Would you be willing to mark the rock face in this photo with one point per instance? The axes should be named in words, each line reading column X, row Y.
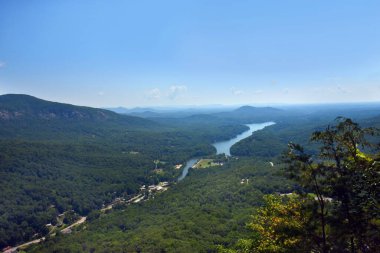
column 9, row 115
column 14, row 106
column 6, row 115
column 27, row 116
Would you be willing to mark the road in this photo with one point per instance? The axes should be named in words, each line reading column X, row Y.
column 68, row 229
column 65, row 231
column 14, row 249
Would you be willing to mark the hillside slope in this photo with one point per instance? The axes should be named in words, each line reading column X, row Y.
column 57, row 157
column 24, row 116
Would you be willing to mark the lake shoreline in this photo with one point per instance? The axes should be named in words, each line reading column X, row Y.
column 223, row 147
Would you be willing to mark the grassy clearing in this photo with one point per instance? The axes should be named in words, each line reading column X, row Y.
column 206, row 163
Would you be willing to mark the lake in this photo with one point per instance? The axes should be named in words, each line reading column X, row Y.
column 223, row 147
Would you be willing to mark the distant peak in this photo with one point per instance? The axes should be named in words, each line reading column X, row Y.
column 19, row 106
column 246, row 107
column 252, row 108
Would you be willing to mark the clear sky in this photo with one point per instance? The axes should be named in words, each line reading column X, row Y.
column 144, row 53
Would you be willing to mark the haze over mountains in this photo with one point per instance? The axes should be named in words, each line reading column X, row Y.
column 25, row 107
column 19, row 107
column 190, row 126
column 57, row 157
column 14, row 106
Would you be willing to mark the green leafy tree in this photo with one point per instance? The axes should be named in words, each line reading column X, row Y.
column 347, row 179
column 278, row 226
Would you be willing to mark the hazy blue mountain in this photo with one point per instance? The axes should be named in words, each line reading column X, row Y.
column 15, row 106
column 24, row 115
column 171, row 112
column 250, row 114
column 123, row 110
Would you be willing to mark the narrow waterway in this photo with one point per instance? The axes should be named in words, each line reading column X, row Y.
column 223, row 147
column 190, row 163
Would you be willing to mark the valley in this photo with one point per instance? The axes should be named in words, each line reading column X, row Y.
column 189, row 126
column 131, row 186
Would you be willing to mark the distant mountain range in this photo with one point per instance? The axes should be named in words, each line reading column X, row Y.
column 14, row 106
column 244, row 113
column 172, row 110
column 123, row 110
column 250, row 114
column 23, row 115
column 19, row 106
column 25, row 107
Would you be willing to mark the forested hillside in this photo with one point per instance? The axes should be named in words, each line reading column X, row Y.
column 190, row 126
column 51, row 165
column 209, row 208
column 56, row 157
column 207, row 212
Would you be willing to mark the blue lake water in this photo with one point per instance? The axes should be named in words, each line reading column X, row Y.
column 223, row 147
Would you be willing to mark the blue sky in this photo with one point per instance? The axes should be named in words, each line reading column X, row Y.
column 144, row 53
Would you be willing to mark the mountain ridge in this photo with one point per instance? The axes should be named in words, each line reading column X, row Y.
column 24, row 115
column 18, row 106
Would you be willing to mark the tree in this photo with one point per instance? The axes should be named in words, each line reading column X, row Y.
column 345, row 177
column 278, row 226
column 311, row 177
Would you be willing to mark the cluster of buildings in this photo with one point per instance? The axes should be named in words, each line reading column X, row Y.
column 160, row 187
column 244, row 181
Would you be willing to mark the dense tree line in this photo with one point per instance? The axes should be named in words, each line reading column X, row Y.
column 337, row 208
column 208, row 208
column 86, row 157
column 51, row 166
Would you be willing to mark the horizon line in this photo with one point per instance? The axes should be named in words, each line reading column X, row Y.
column 212, row 106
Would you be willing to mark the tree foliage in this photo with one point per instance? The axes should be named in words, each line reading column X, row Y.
column 348, row 178
column 337, row 205
column 280, row 223
column 278, row 226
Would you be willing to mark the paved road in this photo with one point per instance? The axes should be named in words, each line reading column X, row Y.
column 68, row 229
column 14, row 249
column 65, row 230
